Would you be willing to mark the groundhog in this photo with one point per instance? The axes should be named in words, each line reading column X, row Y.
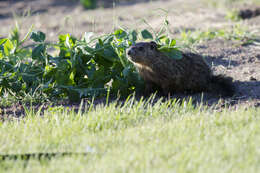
column 189, row 74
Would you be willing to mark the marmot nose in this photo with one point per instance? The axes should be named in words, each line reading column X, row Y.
column 129, row 52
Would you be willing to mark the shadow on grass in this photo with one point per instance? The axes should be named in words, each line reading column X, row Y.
column 245, row 91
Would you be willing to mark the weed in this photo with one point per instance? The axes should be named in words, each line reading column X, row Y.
column 236, row 32
column 89, row 4
column 84, row 67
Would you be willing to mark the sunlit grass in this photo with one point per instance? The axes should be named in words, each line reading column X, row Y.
column 136, row 137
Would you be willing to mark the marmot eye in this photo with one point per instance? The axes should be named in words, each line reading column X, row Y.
column 141, row 48
column 152, row 47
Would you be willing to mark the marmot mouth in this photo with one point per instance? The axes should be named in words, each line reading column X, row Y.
column 131, row 58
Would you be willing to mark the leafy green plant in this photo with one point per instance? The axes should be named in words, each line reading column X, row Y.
column 16, row 72
column 89, row 4
column 85, row 67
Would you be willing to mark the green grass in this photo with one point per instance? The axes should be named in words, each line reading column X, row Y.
column 136, row 137
column 230, row 3
column 238, row 33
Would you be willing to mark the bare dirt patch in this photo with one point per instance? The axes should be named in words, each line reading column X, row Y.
column 242, row 62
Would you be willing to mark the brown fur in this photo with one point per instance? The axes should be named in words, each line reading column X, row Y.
column 191, row 73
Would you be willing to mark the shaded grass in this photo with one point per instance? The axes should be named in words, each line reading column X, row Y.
column 136, row 137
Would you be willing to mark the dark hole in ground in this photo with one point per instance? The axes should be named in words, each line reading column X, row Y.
column 249, row 13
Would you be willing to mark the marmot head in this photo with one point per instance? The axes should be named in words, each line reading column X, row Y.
column 142, row 52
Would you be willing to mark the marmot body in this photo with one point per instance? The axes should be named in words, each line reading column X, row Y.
column 190, row 73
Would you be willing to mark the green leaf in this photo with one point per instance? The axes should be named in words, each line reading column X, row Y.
column 62, row 38
column 28, row 78
column 39, row 52
column 15, row 36
column 108, row 39
column 120, row 34
column 162, row 38
column 87, row 50
column 146, row 34
column 172, row 43
column 133, row 36
column 87, row 36
column 100, row 42
column 67, row 42
column 38, row 36
column 71, row 77
column 126, row 71
column 89, row 4
column 69, row 62
column 2, row 41
column 166, row 22
column 110, row 54
column 8, row 47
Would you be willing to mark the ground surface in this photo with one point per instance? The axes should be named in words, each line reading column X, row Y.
column 242, row 62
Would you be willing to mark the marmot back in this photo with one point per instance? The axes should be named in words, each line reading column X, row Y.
column 190, row 73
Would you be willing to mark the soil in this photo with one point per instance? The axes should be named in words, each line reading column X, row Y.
column 240, row 61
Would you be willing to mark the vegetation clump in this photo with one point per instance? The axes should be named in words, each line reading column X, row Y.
column 89, row 4
column 86, row 67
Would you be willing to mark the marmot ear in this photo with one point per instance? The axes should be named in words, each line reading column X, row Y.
column 153, row 45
